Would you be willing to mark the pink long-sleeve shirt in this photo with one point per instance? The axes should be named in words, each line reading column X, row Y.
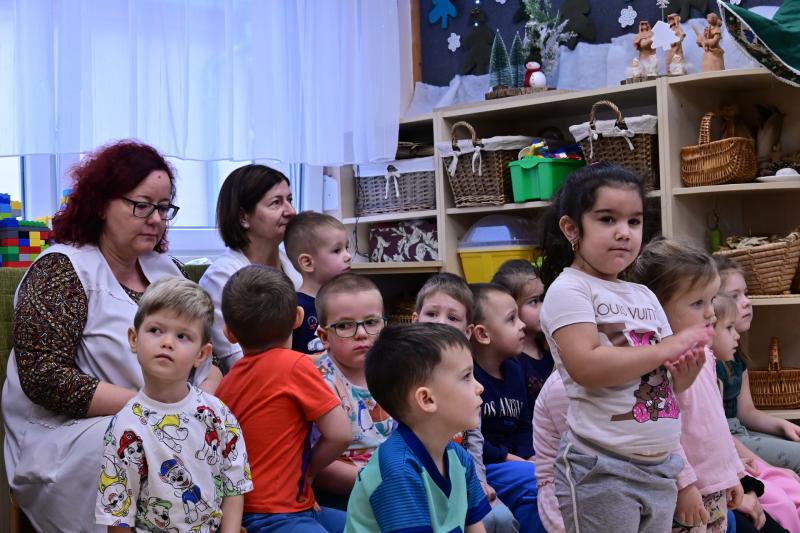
column 705, row 437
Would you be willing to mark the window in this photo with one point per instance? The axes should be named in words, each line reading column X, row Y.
column 11, row 177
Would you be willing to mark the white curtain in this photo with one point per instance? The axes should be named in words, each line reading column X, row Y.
column 312, row 81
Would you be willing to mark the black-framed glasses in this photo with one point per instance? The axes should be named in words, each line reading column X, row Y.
column 346, row 329
column 145, row 209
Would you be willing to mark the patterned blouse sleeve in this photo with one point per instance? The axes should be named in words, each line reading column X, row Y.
column 49, row 320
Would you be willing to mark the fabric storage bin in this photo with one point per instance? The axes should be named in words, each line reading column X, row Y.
column 396, row 186
column 629, row 142
column 407, row 240
column 477, row 169
column 537, row 178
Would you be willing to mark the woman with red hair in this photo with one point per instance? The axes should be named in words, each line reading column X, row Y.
column 72, row 368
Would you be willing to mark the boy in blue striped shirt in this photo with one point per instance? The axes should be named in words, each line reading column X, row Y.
column 419, row 480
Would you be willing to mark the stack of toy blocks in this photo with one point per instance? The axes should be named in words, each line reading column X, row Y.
column 21, row 241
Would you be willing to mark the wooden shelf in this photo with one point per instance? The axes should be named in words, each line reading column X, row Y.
column 789, row 299
column 747, row 79
column 390, row 217
column 416, row 119
column 739, row 188
column 538, row 204
column 786, row 414
column 411, row 267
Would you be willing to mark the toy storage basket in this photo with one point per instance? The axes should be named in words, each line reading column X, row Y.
column 775, row 388
column 396, row 186
column 769, row 268
column 731, row 160
column 478, row 168
column 631, row 143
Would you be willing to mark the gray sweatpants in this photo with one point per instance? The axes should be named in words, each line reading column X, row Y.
column 774, row 449
column 598, row 493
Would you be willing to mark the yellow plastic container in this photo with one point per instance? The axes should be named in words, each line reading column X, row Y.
column 480, row 263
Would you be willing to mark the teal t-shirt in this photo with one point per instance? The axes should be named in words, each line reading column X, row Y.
column 731, row 383
column 401, row 489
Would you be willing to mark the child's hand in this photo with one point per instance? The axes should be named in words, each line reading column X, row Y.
column 734, row 496
column 751, row 466
column 690, row 510
column 488, row 491
column 688, row 339
column 751, row 507
column 685, row 369
column 791, row 431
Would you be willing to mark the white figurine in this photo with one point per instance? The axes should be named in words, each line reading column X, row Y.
column 534, row 77
column 677, row 67
column 634, row 69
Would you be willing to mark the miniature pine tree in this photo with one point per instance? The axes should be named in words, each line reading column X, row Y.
column 499, row 64
column 517, row 58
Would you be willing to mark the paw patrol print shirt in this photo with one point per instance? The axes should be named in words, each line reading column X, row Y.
column 167, row 467
column 639, row 418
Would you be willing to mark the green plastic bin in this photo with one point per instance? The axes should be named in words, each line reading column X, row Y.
column 537, row 178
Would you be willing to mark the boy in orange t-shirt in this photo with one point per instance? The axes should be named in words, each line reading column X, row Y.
column 276, row 394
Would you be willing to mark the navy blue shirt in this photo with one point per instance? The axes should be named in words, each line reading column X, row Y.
column 536, row 372
column 505, row 413
column 304, row 338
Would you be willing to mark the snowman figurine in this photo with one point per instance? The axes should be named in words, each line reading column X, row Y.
column 534, row 77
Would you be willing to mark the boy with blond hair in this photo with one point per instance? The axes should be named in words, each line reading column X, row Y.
column 447, row 299
column 277, row 394
column 419, row 479
column 350, row 310
column 174, row 456
column 316, row 244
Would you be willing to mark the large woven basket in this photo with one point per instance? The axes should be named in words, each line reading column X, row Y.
column 624, row 146
column 775, row 388
column 731, row 160
column 769, row 268
column 481, row 175
column 395, row 187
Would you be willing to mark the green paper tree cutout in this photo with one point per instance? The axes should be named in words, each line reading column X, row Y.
column 499, row 64
column 577, row 13
column 517, row 60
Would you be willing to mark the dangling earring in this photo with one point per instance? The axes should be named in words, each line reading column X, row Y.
column 574, row 244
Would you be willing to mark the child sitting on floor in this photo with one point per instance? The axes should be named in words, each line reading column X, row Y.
column 277, row 393
column 447, row 299
column 419, row 479
column 316, row 244
column 523, row 281
column 497, row 340
column 174, row 456
column 350, row 309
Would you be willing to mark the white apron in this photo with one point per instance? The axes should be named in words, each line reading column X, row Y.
column 52, row 460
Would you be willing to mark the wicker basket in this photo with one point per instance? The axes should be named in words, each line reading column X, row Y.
column 775, row 388
column 769, row 268
column 631, row 143
column 478, row 168
column 397, row 186
column 402, row 312
column 731, row 160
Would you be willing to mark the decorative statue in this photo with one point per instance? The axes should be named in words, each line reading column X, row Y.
column 643, row 42
column 675, row 55
column 712, row 52
column 534, row 77
column 634, row 69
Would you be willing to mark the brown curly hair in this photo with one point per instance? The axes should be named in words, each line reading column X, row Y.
column 101, row 176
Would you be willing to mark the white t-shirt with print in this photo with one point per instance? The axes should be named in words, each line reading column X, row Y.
column 167, row 467
column 641, row 416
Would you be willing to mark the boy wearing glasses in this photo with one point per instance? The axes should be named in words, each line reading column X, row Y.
column 276, row 394
column 350, row 310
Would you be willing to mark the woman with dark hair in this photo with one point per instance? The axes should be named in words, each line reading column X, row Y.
column 72, row 368
column 253, row 209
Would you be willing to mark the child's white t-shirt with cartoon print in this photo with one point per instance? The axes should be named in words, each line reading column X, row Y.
column 639, row 418
column 167, row 467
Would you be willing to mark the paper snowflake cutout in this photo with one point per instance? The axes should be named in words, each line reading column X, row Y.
column 663, row 36
column 662, row 4
column 454, row 42
column 736, row 2
column 500, row 1
column 627, row 16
